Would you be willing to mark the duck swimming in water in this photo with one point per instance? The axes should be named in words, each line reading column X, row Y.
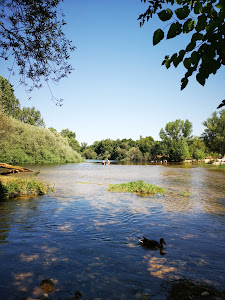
column 152, row 244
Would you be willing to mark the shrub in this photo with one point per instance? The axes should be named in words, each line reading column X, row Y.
column 24, row 143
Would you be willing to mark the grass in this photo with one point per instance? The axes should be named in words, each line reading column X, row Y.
column 11, row 187
column 139, row 187
column 185, row 194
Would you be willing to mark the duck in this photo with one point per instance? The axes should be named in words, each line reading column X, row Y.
column 152, row 244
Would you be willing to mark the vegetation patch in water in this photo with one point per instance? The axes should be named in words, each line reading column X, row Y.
column 139, row 187
column 185, row 194
column 11, row 187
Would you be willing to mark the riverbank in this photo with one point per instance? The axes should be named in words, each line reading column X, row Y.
column 11, row 187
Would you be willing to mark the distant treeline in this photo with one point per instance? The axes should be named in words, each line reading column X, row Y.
column 25, row 140
column 177, row 143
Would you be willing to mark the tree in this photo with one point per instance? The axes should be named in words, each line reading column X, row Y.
column 177, row 129
column 52, row 129
column 205, row 52
column 89, row 153
column 32, row 116
column 104, row 148
column 197, row 148
column 31, row 32
column 175, row 137
column 71, row 138
column 145, row 144
column 134, row 154
column 10, row 104
column 214, row 134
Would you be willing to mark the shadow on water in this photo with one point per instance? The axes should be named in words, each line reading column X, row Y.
column 87, row 238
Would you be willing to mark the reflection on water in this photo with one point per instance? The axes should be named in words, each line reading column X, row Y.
column 85, row 238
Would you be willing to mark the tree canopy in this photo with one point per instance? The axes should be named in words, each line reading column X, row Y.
column 214, row 134
column 11, row 106
column 175, row 137
column 31, row 32
column 204, row 53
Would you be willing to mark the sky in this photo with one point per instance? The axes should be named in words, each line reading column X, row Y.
column 118, row 88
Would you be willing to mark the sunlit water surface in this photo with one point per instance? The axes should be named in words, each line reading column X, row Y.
column 86, row 238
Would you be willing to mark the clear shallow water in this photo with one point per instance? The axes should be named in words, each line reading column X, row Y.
column 86, row 238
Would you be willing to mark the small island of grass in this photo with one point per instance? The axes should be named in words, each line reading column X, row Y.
column 139, row 187
column 11, row 187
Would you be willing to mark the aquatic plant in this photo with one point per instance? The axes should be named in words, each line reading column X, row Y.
column 11, row 187
column 139, row 187
column 185, row 194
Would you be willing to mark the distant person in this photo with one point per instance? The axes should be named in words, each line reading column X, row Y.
column 103, row 162
column 108, row 162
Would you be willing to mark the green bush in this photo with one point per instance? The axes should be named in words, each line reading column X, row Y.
column 24, row 143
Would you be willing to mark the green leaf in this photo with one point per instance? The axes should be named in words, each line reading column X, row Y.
column 196, row 37
column 198, row 8
column 194, row 58
column 190, row 46
column 202, row 22
column 188, row 25
column 184, row 82
column 175, row 29
column 220, row 5
column 158, row 36
column 167, row 63
column 179, row 58
column 165, row 15
column 182, row 13
column 200, row 78
column 187, row 63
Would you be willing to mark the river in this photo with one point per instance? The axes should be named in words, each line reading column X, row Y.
column 86, row 238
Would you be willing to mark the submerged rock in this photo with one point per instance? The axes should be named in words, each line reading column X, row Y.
column 78, row 295
column 47, row 286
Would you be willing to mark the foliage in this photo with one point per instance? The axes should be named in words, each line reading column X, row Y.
column 89, row 153
column 175, row 137
column 24, row 143
column 8, row 100
column 16, row 186
column 32, row 116
column 70, row 136
column 197, row 148
column 12, row 108
column 145, row 144
column 52, row 129
column 139, row 187
column 31, row 32
column 177, row 129
column 177, row 144
column 214, row 133
column 203, row 23
column 104, row 148
column 134, row 154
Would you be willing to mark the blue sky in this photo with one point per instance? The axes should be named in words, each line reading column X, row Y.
column 119, row 88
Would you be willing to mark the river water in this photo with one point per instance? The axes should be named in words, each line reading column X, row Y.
column 86, row 238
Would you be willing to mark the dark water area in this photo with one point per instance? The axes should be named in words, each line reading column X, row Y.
column 86, row 238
